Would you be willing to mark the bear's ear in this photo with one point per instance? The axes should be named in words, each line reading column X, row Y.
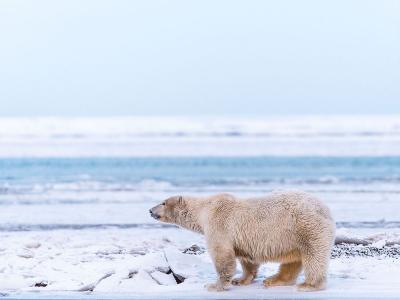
column 180, row 200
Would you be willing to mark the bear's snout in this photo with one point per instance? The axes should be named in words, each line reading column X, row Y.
column 153, row 214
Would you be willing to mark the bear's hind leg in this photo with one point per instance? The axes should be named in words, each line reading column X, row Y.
column 249, row 272
column 315, row 270
column 286, row 275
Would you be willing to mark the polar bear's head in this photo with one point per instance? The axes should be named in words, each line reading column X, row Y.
column 178, row 210
column 168, row 211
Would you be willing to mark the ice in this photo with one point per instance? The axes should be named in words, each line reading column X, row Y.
column 181, row 264
column 92, row 286
column 101, row 262
column 155, row 261
column 163, row 278
column 379, row 244
column 182, row 136
column 141, row 281
column 25, row 253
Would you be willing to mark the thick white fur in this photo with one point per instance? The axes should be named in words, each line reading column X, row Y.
column 290, row 227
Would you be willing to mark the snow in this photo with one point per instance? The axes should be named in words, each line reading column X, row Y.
column 141, row 263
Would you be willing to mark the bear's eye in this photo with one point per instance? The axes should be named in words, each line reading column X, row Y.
column 163, row 203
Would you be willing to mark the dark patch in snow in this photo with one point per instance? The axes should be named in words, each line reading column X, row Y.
column 41, row 284
column 194, row 249
column 132, row 273
column 167, row 240
column 352, row 250
column 178, row 278
column 136, row 252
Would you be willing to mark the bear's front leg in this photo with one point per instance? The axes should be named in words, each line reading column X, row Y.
column 225, row 264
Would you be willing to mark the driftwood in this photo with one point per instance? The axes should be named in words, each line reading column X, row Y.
column 365, row 242
column 349, row 240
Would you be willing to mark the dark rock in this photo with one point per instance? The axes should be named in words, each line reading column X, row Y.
column 41, row 284
column 195, row 250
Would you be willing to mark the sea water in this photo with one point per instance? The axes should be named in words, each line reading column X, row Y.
column 84, row 172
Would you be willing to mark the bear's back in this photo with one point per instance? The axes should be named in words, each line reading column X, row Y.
column 269, row 225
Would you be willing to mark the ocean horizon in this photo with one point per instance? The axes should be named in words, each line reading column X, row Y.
column 375, row 135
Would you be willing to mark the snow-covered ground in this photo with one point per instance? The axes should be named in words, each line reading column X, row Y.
column 141, row 263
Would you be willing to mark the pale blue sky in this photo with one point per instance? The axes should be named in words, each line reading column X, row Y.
column 199, row 57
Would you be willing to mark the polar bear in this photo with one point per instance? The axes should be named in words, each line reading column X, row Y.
column 290, row 227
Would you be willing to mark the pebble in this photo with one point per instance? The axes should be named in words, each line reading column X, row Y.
column 352, row 250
